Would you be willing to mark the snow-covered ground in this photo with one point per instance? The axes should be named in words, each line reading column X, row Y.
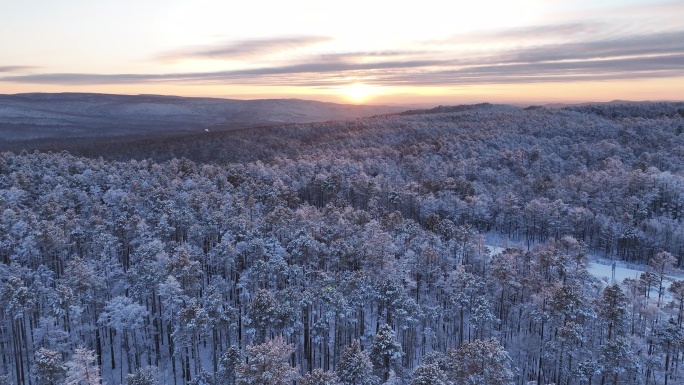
column 494, row 250
column 603, row 271
column 599, row 269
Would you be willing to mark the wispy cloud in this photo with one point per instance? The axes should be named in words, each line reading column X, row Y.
column 595, row 70
column 16, row 68
column 549, row 30
column 564, row 31
column 373, row 55
column 243, row 48
column 640, row 45
column 623, row 57
column 310, row 68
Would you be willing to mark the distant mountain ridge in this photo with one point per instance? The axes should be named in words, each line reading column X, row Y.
column 458, row 108
column 612, row 102
column 41, row 116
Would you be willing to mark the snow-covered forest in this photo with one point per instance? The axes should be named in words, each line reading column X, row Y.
column 352, row 253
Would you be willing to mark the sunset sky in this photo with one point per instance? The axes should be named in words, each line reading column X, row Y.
column 429, row 51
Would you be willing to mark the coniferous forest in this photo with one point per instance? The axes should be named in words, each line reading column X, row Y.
column 444, row 246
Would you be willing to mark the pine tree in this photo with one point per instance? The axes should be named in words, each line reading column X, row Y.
column 355, row 368
column 661, row 264
column 671, row 337
column 617, row 358
column 677, row 290
column 268, row 364
column 144, row 376
column 386, row 351
column 204, row 378
column 48, row 368
column 479, row 362
column 587, row 369
column 82, row 369
column 227, row 365
column 429, row 374
column 263, row 313
column 613, row 309
column 320, row 377
column 126, row 317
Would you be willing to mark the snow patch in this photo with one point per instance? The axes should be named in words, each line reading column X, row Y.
column 604, row 272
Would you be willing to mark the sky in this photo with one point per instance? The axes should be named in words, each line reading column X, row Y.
column 354, row 51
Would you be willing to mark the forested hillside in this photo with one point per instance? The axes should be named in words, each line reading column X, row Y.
column 352, row 252
column 38, row 120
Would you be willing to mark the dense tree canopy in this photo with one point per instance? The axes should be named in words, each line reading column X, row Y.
column 353, row 252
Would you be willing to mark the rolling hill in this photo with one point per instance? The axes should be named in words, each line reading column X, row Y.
column 29, row 121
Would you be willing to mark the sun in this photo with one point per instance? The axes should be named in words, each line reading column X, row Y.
column 357, row 92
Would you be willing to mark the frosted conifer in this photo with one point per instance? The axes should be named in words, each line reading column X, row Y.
column 355, row 368
column 386, row 351
column 429, row 374
column 268, row 364
column 82, row 369
column 48, row 367
column 144, row 376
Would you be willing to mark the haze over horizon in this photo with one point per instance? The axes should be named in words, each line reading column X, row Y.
column 362, row 52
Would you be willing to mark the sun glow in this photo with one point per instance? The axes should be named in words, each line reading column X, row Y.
column 357, row 92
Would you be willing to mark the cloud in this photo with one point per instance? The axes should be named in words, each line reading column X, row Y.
column 550, row 30
column 640, row 45
column 244, row 48
column 536, row 32
column 627, row 57
column 316, row 68
column 15, row 68
column 585, row 70
column 365, row 55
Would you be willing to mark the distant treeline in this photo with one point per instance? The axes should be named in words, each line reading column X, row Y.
column 445, row 109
